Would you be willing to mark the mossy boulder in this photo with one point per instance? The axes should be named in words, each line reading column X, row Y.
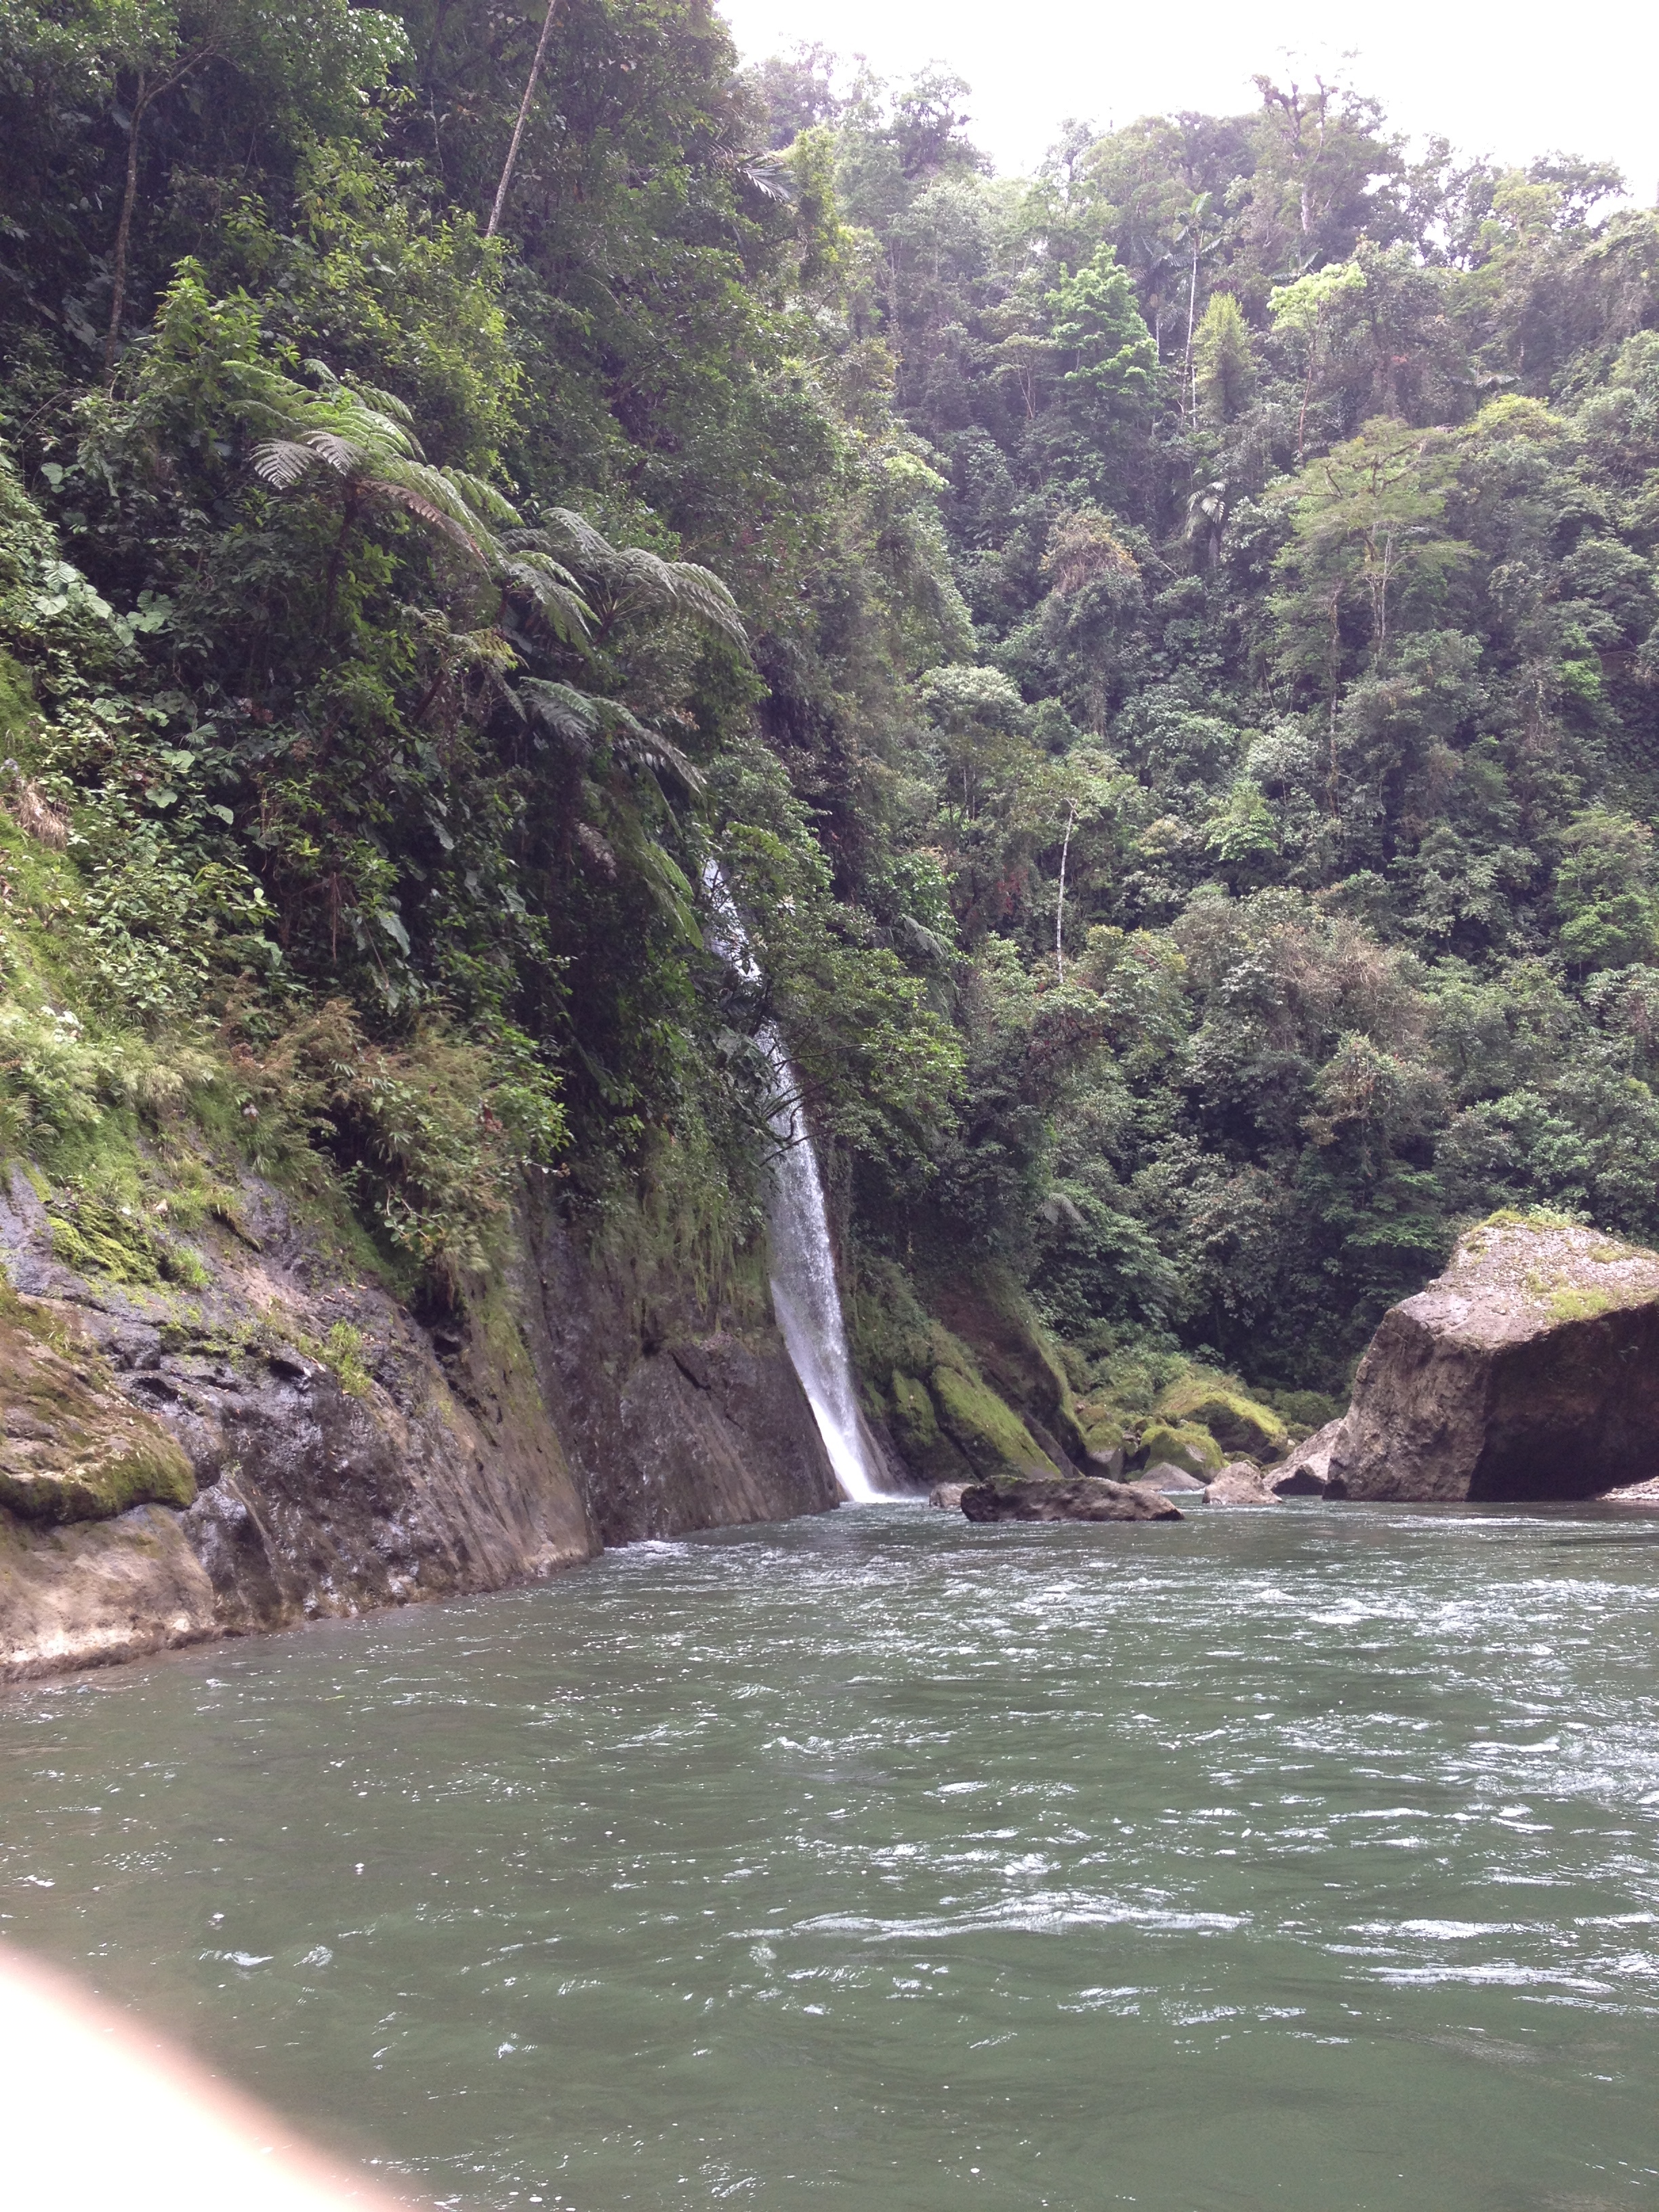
column 1240, row 1424
column 1107, row 1437
column 1184, row 1445
column 72, row 1448
column 994, row 1441
column 1078, row 1497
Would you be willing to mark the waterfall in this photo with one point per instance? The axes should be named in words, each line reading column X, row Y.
column 804, row 1292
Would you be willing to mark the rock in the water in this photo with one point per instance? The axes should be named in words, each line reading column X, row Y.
column 947, row 1494
column 1083, row 1497
column 1639, row 1493
column 1307, row 1471
column 1164, row 1477
column 1239, row 1483
column 1530, row 1369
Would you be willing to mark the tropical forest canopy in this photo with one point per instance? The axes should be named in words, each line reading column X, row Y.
column 1165, row 651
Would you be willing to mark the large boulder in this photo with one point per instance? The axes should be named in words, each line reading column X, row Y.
column 1083, row 1497
column 1170, row 1479
column 1530, row 1369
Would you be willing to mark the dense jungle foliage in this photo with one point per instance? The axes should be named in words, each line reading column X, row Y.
column 1164, row 652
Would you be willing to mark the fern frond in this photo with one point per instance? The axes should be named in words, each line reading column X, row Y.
column 570, row 713
column 345, row 456
column 484, row 498
column 281, row 461
column 387, row 402
column 555, row 591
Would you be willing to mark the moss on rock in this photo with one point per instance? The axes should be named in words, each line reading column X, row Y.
column 73, row 1449
column 991, row 1436
column 1184, row 1445
column 1105, row 1428
column 914, row 1423
column 1237, row 1423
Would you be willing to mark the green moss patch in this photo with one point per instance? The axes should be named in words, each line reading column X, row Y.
column 99, row 1239
column 991, row 1437
column 1237, row 1423
column 1183, row 1445
column 72, row 1448
column 914, row 1423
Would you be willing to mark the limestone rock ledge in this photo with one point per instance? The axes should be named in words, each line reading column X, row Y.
column 289, row 1444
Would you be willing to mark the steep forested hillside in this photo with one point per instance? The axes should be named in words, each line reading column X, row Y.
column 1164, row 651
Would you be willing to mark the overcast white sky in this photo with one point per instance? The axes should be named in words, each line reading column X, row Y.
column 1508, row 81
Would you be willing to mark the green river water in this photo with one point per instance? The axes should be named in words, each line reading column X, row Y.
column 1303, row 1858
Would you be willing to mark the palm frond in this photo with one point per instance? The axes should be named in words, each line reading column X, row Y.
column 585, row 542
column 414, row 501
column 767, row 175
column 484, row 499
column 387, row 402
column 636, row 746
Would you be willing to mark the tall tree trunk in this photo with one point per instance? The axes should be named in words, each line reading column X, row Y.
column 123, row 229
column 143, row 100
column 511, row 163
column 1187, row 387
column 1059, row 908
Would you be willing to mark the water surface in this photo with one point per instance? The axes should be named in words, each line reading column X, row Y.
column 1305, row 1859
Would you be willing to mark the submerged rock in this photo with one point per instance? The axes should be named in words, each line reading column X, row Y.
column 1240, row 1483
column 1083, row 1497
column 1530, row 1369
column 1307, row 1471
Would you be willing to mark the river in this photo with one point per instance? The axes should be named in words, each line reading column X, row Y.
column 1305, row 1858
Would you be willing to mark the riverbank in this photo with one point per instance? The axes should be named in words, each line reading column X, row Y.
column 311, row 1450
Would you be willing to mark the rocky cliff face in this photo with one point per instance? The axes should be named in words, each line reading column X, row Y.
column 285, row 1442
column 1529, row 1370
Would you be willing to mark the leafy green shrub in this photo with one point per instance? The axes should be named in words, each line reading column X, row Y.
column 430, row 1138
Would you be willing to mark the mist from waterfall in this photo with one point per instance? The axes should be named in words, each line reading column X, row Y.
column 804, row 1292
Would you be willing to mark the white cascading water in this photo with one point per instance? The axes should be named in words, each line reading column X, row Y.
column 804, row 1292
